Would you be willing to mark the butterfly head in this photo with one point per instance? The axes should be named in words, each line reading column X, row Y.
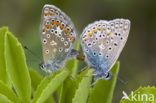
column 42, row 66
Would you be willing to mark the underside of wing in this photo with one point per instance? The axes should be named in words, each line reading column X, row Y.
column 103, row 41
column 57, row 34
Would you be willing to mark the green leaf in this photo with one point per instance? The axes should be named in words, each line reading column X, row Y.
column 4, row 99
column 52, row 86
column 102, row 92
column 49, row 100
column 43, row 84
column 3, row 74
column 17, row 68
column 69, row 87
column 142, row 95
column 35, row 79
column 6, row 91
column 81, row 94
column 72, row 65
column 66, row 88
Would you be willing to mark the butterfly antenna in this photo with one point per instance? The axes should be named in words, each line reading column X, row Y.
column 121, row 80
column 26, row 48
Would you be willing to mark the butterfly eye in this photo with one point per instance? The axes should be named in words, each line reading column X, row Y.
column 42, row 66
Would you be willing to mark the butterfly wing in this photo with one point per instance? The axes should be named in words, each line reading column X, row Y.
column 103, row 41
column 57, row 35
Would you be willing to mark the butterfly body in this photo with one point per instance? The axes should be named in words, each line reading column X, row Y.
column 102, row 43
column 57, row 36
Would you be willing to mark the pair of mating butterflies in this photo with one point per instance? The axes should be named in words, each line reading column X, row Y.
column 101, row 41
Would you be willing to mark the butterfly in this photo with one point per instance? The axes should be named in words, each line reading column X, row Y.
column 102, row 43
column 58, row 36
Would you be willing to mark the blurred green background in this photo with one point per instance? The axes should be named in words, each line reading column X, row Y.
column 138, row 59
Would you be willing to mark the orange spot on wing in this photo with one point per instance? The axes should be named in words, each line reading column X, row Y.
column 45, row 14
column 90, row 33
column 67, row 31
column 99, row 28
column 51, row 13
column 62, row 27
column 43, row 30
column 53, row 22
column 104, row 28
column 57, row 23
column 94, row 30
column 71, row 37
column 84, row 39
column 48, row 25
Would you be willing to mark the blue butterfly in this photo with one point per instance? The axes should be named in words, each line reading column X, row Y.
column 102, row 43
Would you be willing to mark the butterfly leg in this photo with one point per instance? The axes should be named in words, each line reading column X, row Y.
column 106, row 76
column 83, row 69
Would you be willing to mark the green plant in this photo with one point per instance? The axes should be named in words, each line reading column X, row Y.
column 18, row 84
